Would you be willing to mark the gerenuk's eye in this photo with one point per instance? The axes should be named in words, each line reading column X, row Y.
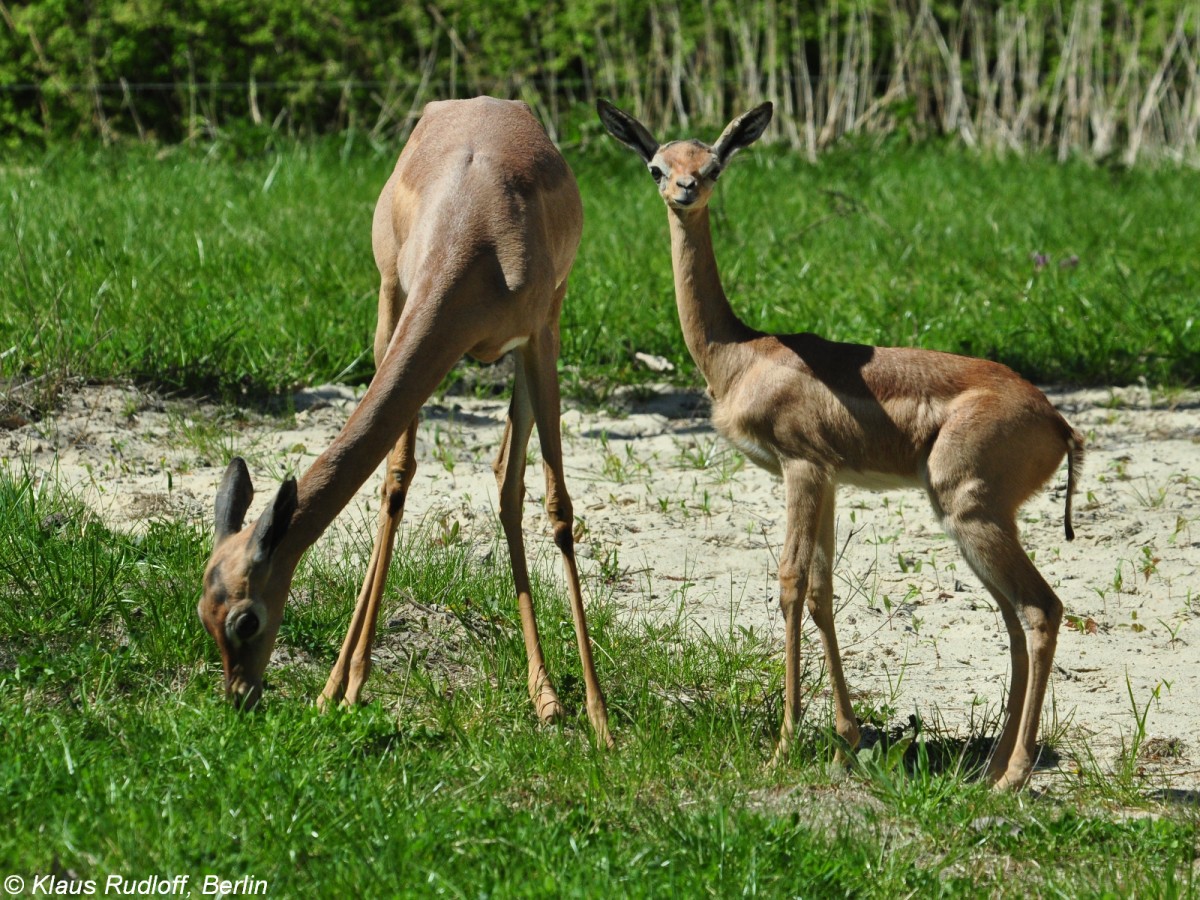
column 656, row 173
column 247, row 626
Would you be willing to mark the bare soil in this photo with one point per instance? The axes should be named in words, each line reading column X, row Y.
column 674, row 522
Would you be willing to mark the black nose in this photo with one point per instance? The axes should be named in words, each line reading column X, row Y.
column 247, row 626
column 686, row 183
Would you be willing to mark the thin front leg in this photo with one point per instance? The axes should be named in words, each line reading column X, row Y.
column 509, row 469
column 539, row 358
column 804, row 487
column 820, row 607
column 354, row 662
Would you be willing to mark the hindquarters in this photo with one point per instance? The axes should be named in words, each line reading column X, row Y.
column 481, row 220
column 994, row 451
column 988, row 458
column 481, row 173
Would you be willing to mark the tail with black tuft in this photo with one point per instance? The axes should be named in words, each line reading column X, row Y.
column 1074, row 465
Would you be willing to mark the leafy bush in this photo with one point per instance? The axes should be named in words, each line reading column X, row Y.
column 1071, row 76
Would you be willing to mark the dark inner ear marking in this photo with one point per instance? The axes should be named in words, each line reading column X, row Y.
column 247, row 626
column 274, row 522
column 628, row 130
column 233, row 499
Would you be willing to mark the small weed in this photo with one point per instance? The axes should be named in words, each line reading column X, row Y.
column 445, row 447
column 1149, row 563
column 1132, row 743
column 131, row 406
column 895, row 684
column 1128, row 767
column 1151, row 497
column 1118, row 579
column 1182, row 527
column 609, row 559
column 214, row 440
column 699, row 454
column 626, row 467
column 712, row 455
column 580, row 529
column 447, row 530
column 883, row 763
column 1173, row 631
column 1082, row 624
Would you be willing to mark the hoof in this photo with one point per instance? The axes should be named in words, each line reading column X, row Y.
column 1010, row 781
column 604, row 738
column 549, row 708
column 782, row 750
column 326, row 703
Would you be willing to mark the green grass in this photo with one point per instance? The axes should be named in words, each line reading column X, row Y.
column 244, row 275
column 214, row 272
column 188, row 271
column 119, row 758
column 929, row 247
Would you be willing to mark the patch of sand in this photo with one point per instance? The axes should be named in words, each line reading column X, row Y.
column 677, row 520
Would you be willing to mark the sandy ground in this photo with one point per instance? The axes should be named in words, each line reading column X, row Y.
column 678, row 522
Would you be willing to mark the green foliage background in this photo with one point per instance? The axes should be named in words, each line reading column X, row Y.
column 1085, row 75
column 261, row 131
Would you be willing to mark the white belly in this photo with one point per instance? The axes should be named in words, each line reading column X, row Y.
column 764, row 458
column 761, row 456
column 513, row 342
column 876, row 481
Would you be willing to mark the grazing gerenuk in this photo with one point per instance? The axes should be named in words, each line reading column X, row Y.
column 474, row 236
column 977, row 437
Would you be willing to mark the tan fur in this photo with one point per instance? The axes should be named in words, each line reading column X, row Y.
column 474, row 235
column 975, row 436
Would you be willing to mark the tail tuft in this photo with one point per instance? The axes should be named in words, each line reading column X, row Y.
column 1074, row 465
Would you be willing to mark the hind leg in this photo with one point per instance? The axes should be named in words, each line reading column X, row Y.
column 1018, row 685
column 977, row 481
column 539, row 358
column 509, row 469
column 1032, row 614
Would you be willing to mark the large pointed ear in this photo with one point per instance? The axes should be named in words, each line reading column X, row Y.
column 273, row 524
column 628, row 130
column 233, row 499
column 742, row 132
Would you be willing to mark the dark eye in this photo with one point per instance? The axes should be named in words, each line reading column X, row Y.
column 656, row 173
column 247, row 626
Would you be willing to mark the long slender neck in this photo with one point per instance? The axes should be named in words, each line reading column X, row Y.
column 712, row 331
column 410, row 372
column 331, row 482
